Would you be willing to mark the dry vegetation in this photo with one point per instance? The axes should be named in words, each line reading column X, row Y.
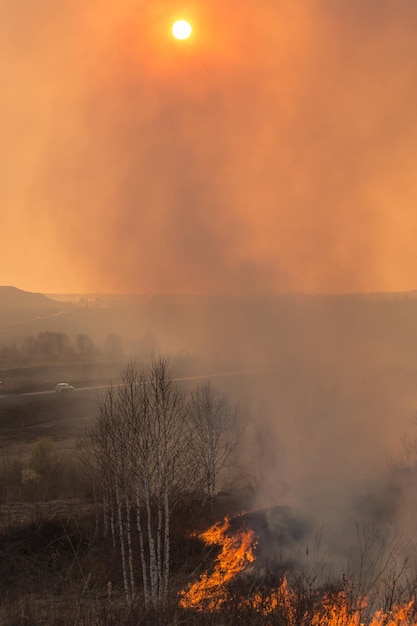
column 56, row 565
column 59, row 568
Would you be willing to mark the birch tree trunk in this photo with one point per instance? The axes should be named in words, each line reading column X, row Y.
column 139, row 447
column 139, row 527
column 120, row 520
column 128, row 513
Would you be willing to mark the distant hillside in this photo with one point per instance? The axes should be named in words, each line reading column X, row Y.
column 13, row 298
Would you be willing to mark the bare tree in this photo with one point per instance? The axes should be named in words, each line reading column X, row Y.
column 139, row 451
column 105, row 460
column 214, row 435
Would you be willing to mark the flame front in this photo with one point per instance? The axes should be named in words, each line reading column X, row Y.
column 210, row 591
column 338, row 612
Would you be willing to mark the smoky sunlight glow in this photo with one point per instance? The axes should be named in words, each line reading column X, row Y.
column 181, row 29
column 274, row 155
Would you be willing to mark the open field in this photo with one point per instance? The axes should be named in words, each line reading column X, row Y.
column 30, row 408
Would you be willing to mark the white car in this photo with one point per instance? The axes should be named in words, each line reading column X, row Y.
column 62, row 387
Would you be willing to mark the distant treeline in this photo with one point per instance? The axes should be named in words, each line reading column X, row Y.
column 59, row 345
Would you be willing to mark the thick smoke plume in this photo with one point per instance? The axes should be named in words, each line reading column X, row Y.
column 272, row 152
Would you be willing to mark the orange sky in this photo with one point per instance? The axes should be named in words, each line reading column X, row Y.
column 274, row 151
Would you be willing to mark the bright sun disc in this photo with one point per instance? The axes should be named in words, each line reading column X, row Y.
column 181, row 29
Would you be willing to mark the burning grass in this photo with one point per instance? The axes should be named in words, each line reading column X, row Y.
column 210, row 591
column 218, row 591
column 234, row 590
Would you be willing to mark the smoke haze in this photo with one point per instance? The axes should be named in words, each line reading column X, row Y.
column 274, row 151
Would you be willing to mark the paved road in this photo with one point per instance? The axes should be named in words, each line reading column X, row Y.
column 104, row 386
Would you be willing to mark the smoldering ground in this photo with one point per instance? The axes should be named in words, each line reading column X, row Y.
column 272, row 152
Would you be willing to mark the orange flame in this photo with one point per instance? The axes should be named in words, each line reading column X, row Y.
column 338, row 613
column 283, row 598
column 209, row 592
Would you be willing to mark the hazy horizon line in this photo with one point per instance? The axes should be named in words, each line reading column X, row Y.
column 218, row 295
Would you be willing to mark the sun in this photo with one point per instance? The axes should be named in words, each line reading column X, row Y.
column 181, row 29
